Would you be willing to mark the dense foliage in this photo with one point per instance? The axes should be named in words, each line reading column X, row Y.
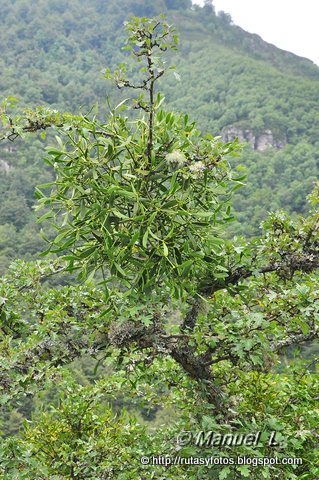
column 175, row 316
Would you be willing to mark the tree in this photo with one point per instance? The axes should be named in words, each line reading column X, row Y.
column 178, row 4
column 209, row 7
column 225, row 17
column 141, row 203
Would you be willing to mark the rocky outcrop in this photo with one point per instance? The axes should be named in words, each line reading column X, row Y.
column 5, row 166
column 261, row 142
column 266, row 140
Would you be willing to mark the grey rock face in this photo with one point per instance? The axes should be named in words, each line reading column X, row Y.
column 4, row 166
column 261, row 142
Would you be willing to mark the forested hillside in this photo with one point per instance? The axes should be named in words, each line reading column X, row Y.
column 145, row 298
column 234, row 84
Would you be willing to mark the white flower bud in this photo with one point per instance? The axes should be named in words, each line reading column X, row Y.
column 176, row 158
column 197, row 169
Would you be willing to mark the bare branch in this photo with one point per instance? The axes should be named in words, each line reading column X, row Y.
column 294, row 339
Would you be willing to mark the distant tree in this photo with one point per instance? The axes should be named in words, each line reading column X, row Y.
column 14, row 210
column 178, row 4
column 225, row 17
column 209, row 6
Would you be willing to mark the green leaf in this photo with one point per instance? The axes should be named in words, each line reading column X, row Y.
column 244, row 470
column 119, row 269
column 185, row 268
column 145, row 238
column 86, row 253
column 165, row 249
column 224, row 473
column 46, row 216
